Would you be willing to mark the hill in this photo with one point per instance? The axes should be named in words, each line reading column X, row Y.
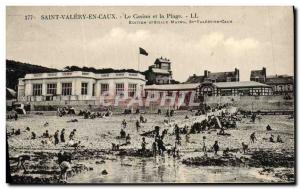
column 16, row 70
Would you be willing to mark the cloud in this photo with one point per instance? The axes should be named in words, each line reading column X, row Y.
column 217, row 41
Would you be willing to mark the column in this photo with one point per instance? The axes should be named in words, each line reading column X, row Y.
column 44, row 88
column 58, row 88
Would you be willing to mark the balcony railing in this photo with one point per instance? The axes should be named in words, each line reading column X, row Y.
column 85, row 74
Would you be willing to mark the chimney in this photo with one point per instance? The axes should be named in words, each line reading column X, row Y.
column 205, row 73
column 237, row 74
column 264, row 71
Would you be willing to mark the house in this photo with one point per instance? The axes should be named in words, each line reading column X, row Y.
column 78, row 87
column 281, row 84
column 214, row 77
column 160, row 72
column 258, row 75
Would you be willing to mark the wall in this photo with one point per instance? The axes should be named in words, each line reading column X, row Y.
column 253, row 102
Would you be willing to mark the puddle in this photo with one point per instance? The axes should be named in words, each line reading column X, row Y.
column 165, row 170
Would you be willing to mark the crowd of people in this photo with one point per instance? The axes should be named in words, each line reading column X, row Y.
column 151, row 142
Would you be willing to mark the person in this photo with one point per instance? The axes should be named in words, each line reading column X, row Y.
column 62, row 135
column 216, row 147
column 156, row 131
column 160, row 145
column 122, row 133
column 137, row 124
column 143, row 144
column 222, row 131
column 21, row 161
column 46, row 134
column 16, row 116
column 171, row 113
column 163, row 134
column 167, row 113
column 177, row 136
column 272, row 138
column 64, row 161
column 114, row 146
column 27, row 129
column 154, row 148
column 253, row 137
column 74, row 144
column 124, row 123
column 253, row 117
column 72, row 134
column 142, row 119
column 56, row 141
column 33, row 135
column 18, row 132
column 269, row 128
column 245, row 147
column 226, row 152
column 279, row 139
column 204, row 145
column 127, row 139
column 159, row 111
column 186, row 117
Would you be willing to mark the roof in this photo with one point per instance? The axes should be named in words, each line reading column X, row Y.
column 221, row 75
column 158, row 70
column 279, row 79
column 195, row 79
column 161, row 59
column 182, row 86
column 257, row 73
column 239, row 84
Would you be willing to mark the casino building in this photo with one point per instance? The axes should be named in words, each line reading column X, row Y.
column 77, row 87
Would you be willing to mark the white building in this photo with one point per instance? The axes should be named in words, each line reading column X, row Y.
column 76, row 88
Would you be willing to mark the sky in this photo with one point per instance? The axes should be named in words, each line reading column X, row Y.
column 257, row 37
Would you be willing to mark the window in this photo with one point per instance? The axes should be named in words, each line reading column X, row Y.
column 37, row 90
column 104, row 88
column 52, row 74
column 119, row 88
column 93, row 92
column 131, row 90
column 170, row 93
column 51, row 88
column 67, row 73
column 66, row 89
column 84, row 88
column 132, row 74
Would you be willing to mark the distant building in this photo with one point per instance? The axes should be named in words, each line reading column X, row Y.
column 215, row 77
column 281, row 84
column 160, row 72
column 242, row 88
column 207, row 88
column 182, row 93
column 77, row 87
column 258, row 75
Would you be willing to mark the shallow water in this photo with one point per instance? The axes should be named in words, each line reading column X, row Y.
column 165, row 170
